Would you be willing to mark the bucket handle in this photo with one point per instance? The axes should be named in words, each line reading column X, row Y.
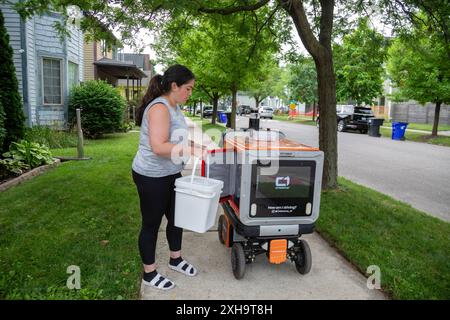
column 196, row 159
column 194, row 193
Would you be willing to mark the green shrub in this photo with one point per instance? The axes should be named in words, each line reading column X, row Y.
column 127, row 126
column 14, row 122
column 31, row 153
column 101, row 105
column 10, row 166
column 50, row 137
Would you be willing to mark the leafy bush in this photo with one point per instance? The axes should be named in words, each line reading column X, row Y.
column 14, row 166
column 101, row 105
column 50, row 137
column 30, row 153
column 127, row 126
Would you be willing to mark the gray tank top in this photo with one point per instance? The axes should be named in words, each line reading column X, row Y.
column 149, row 164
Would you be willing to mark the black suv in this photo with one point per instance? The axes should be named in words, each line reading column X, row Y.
column 245, row 109
column 351, row 117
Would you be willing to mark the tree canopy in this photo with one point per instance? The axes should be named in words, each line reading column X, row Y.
column 302, row 83
column 358, row 64
column 420, row 68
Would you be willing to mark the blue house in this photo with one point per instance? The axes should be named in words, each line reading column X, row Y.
column 47, row 67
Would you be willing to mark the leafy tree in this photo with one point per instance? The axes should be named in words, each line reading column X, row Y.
column 303, row 81
column 409, row 15
column 313, row 20
column 266, row 81
column 14, row 121
column 358, row 64
column 419, row 66
column 224, row 52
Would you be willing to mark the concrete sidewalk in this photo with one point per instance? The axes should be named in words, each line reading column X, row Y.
column 331, row 276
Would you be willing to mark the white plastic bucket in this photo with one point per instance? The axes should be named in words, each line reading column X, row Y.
column 196, row 201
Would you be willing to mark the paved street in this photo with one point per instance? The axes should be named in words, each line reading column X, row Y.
column 415, row 173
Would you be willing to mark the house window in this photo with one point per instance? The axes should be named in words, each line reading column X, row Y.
column 51, row 79
column 103, row 47
column 74, row 78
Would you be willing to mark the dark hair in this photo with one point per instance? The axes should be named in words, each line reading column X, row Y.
column 161, row 84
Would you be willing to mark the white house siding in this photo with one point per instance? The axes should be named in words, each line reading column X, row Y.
column 75, row 49
column 31, row 68
column 49, row 45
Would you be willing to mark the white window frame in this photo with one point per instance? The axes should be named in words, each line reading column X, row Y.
column 61, row 81
column 68, row 74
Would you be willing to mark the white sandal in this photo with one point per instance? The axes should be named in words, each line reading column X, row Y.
column 159, row 282
column 185, row 268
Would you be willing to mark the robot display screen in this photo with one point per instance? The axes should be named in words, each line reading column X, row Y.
column 289, row 182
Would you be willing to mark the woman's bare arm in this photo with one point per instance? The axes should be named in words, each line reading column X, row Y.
column 158, row 118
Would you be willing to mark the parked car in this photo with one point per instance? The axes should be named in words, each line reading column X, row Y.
column 243, row 109
column 352, row 117
column 207, row 111
column 265, row 112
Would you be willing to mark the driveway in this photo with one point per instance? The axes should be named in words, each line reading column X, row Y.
column 412, row 172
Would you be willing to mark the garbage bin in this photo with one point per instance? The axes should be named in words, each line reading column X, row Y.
column 374, row 127
column 253, row 122
column 398, row 130
column 222, row 117
column 228, row 119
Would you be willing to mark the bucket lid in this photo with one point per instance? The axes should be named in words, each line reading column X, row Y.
column 199, row 184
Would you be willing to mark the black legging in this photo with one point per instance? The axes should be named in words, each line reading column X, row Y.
column 157, row 197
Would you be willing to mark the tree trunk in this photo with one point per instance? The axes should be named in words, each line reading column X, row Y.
column 314, row 110
column 215, row 104
column 437, row 111
column 328, row 123
column 320, row 50
column 233, row 106
column 257, row 101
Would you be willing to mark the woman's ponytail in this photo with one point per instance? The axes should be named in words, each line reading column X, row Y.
column 160, row 85
column 155, row 89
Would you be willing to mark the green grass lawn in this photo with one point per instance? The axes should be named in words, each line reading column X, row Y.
column 411, row 248
column 420, row 126
column 60, row 219
column 298, row 119
column 419, row 137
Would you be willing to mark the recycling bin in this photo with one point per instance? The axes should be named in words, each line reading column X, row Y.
column 222, row 117
column 398, row 130
column 374, row 127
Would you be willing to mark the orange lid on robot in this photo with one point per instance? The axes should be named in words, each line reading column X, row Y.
column 244, row 143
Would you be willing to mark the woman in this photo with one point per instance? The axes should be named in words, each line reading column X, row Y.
column 158, row 162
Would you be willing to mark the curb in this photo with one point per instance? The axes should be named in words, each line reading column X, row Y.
column 28, row 175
